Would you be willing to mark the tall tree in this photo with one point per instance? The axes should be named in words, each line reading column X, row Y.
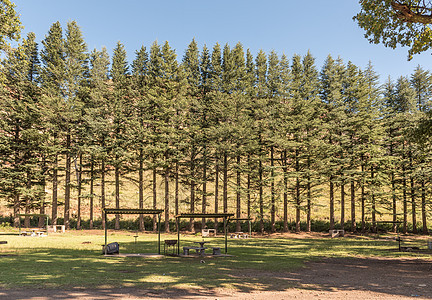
column 97, row 112
column 121, row 112
column 140, row 74
column 331, row 94
column 76, row 70
column 52, row 83
column 23, row 146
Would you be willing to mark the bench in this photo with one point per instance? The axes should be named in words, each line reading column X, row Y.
column 337, row 232
column 216, row 251
column 54, row 228
column 199, row 250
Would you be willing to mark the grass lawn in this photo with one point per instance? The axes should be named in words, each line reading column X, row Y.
column 74, row 260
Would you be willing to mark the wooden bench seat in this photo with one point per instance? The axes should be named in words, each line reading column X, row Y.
column 199, row 250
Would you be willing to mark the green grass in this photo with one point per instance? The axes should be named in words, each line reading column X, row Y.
column 66, row 261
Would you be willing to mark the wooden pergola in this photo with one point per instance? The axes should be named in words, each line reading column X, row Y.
column 132, row 211
column 225, row 216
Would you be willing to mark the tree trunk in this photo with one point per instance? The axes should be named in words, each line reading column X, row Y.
column 54, row 191
column 248, row 190
column 42, row 220
column 373, row 200
column 405, row 204
column 309, row 205
column 176, row 192
column 363, row 212
column 225, row 183
column 78, row 170
column 27, row 202
column 423, row 208
column 16, row 209
column 342, row 200
column 167, row 206
column 216, row 191
column 394, row 206
column 353, row 206
column 104, row 224
column 331, row 213
column 192, row 192
column 285, row 190
column 155, row 221
column 91, row 192
column 67, row 182
column 17, row 201
column 393, row 188
column 272, row 192
column 413, row 206
column 117, row 193
column 238, row 195
column 204, row 189
column 261, row 198
column 297, row 191
column 141, row 189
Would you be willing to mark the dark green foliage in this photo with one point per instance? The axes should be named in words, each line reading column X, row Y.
column 260, row 136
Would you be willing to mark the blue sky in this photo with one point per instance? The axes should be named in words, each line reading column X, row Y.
column 286, row 26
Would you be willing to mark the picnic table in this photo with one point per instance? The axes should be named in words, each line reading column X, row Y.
column 34, row 232
column 201, row 249
column 239, row 235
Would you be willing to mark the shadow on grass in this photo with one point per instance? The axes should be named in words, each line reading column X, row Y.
column 256, row 264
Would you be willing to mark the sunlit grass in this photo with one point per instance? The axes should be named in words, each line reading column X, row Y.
column 74, row 259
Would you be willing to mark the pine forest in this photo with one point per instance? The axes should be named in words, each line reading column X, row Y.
column 291, row 145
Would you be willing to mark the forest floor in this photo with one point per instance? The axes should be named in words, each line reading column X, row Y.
column 328, row 278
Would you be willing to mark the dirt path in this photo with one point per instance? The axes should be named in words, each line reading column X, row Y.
column 331, row 278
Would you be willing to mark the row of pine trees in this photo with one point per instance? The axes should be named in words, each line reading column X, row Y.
column 253, row 135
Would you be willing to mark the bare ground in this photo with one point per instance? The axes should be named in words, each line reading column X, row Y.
column 330, row 278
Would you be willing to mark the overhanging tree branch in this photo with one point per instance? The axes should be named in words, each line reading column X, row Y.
column 406, row 13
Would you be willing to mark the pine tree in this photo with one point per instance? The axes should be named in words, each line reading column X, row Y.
column 121, row 111
column 404, row 105
column 192, row 72
column 140, row 74
column 76, row 71
column 216, row 87
column 52, row 83
column 23, row 146
column 331, row 95
column 259, row 115
column 97, row 129
column 75, row 62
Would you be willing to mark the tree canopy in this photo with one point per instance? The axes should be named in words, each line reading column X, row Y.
column 397, row 22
